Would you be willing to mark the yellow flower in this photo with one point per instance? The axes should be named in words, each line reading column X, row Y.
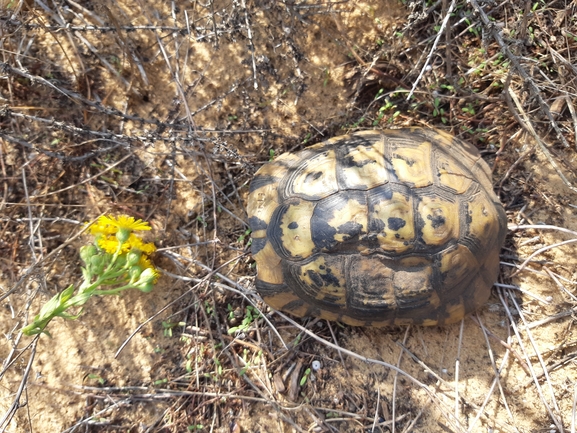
column 110, row 244
column 123, row 222
column 145, row 263
column 136, row 242
column 100, row 229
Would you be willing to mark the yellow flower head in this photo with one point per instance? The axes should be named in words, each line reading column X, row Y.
column 122, row 222
column 136, row 242
column 110, row 244
column 122, row 226
column 102, row 229
column 145, row 263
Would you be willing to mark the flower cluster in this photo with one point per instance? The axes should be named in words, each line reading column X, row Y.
column 117, row 260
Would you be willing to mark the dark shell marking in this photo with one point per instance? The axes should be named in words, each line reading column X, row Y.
column 377, row 228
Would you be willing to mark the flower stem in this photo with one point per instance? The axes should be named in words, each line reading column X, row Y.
column 117, row 257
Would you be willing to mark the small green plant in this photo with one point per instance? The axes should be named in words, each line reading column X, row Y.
column 248, row 363
column 379, row 117
column 472, row 29
column 208, row 308
column 168, row 326
column 251, row 314
column 438, row 110
column 383, row 111
column 327, row 77
column 357, row 123
column 271, row 154
column 97, row 378
column 305, row 377
column 193, row 358
column 297, row 340
column 230, row 311
column 218, row 365
column 469, row 109
column 117, row 260
column 498, row 60
column 201, row 220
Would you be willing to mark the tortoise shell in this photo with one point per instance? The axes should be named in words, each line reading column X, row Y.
column 377, row 228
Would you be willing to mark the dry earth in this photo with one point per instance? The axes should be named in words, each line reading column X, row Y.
column 164, row 111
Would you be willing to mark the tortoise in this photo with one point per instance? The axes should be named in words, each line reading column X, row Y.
column 377, row 228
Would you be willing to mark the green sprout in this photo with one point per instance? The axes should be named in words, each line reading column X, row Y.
column 438, row 110
column 250, row 316
column 469, row 109
column 243, row 236
column 167, row 327
column 305, row 377
column 327, row 77
column 201, row 220
column 117, row 260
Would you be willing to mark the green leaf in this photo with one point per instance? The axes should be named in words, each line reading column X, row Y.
column 69, row 316
column 305, row 377
column 66, row 294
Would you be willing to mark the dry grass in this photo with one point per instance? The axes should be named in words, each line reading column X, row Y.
column 165, row 112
